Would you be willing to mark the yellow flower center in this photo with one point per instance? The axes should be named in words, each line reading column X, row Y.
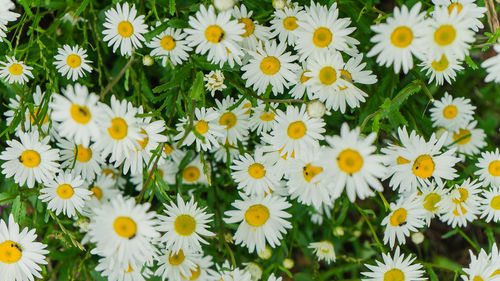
column 125, row 227
column 30, row 158
column 445, row 35
column 201, row 127
column 270, row 65
column 495, row 203
column 214, row 34
column 185, row 225
column 249, row 106
column 456, row 213
column 350, row 161
column 494, row 168
column 176, row 259
column 65, row 191
column 303, row 78
column 495, row 273
column 464, row 194
column 322, row 37
column 74, row 61
column 267, row 116
column 401, row 36
column 80, row 114
column 327, row 75
column 167, row 43
column 194, row 273
column 249, row 26
column 108, row 172
column 463, row 136
column 143, row 142
column 394, row 275
column 290, row 23
column 398, row 218
column 453, row 5
column 228, row 119
column 477, row 278
column 118, row 129
column 257, row 215
column 430, row 201
column 296, row 130
column 96, row 192
column 10, row 252
column 256, row 171
column 440, row 65
column 401, row 160
column 167, row 149
column 450, row 111
column 191, row 173
column 83, row 154
column 125, row 29
column 35, row 114
column 130, row 269
column 310, row 171
column 423, row 167
column 16, row 69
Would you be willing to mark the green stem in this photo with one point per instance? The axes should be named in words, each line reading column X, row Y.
column 374, row 234
column 474, row 245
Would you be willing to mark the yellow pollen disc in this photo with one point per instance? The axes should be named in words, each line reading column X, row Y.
column 430, row 201
column 125, row 227
column 270, row 65
column 401, row 37
column 191, row 173
column 290, row 23
column 477, row 278
column 423, row 167
column 83, row 154
column 464, row 194
column 440, row 65
column 214, row 34
column 445, row 35
column 65, row 191
column 118, row 129
column 30, row 158
column 249, row 26
column 450, row 111
column 73, row 61
column 167, row 43
column 35, row 114
column 176, row 259
column 194, row 273
column 296, row 130
column 394, row 275
column 16, row 69
column 345, row 75
column 463, row 136
column 10, row 252
column 456, row 213
column 130, row 269
column 303, row 78
column 350, row 161
column 402, row 160
column 495, row 273
column 310, row 171
column 108, row 172
column 257, row 215
column 398, row 217
column 327, row 75
column 256, row 171
column 201, row 127
column 80, row 114
column 322, row 37
column 143, row 142
column 228, row 119
column 494, row 168
column 96, row 192
column 249, row 106
column 495, row 203
column 185, row 225
column 267, row 116
column 125, row 29
column 167, row 149
column 453, row 5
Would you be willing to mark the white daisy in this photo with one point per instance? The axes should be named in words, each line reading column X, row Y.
column 5, row 16
column 461, row 205
column 119, row 180
column 124, row 29
column 102, row 190
column 452, row 113
column 480, row 267
column 30, row 160
column 442, row 69
column 227, row 272
column 170, row 45
column 489, row 168
column 108, row 268
column 65, row 194
column 285, row 23
column 468, row 139
column 14, row 71
column 176, row 266
column 204, row 124
column 263, row 117
column 214, row 81
column 81, row 160
column 202, row 269
column 299, row 89
column 398, row 267
column 270, row 65
column 431, row 197
column 260, row 219
column 37, row 119
column 323, row 250
column 492, row 66
column 234, row 121
column 254, row 32
column 354, row 71
column 490, row 204
column 467, row 9
column 184, row 225
column 194, row 173
column 72, row 62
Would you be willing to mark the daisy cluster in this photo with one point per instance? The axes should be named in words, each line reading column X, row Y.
column 175, row 191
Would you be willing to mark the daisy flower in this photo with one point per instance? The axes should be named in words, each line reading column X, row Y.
column 492, row 66
column 295, row 131
column 14, row 71
column 468, row 139
column 480, row 267
column 84, row 161
column 37, row 119
column 260, row 219
column 5, row 16
column 270, row 65
column 256, row 175
column 467, row 9
column 202, row 268
column 205, row 125
column 184, row 224
column 407, row 215
column 116, row 175
column 227, row 272
column 30, row 160
column 442, row 69
column 285, row 23
column 400, row 37
column 321, row 30
column 354, row 71
column 176, row 266
column 72, row 62
column 124, row 29
column 397, row 267
column 120, row 132
column 102, row 190
column 232, row 150
column 108, row 268
column 263, row 117
column 77, row 115
column 323, row 250
column 489, row 168
column 449, row 34
column 214, row 81
column 461, row 205
column 194, row 173
column 170, row 45
column 254, row 32
column 65, row 194
column 216, row 34
column 234, row 121
column 299, row 89
column 490, row 204
column 351, row 164
column 452, row 113
column 20, row 254
column 124, row 230
column 431, row 196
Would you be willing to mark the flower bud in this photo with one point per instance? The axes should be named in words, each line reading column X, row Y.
column 147, row 60
column 288, row 263
column 223, row 5
column 279, row 4
column 316, row 109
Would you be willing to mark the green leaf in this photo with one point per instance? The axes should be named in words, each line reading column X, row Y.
column 432, row 274
column 81, row 8
column 449, row 233
column 471, row 63
column 17, row 208
column 171, row 7
column 197, row 88
column 159, row 29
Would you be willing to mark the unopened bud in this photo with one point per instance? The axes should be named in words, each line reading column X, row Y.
column 266, row 253
column 279, row 4
column 417, row 238
column 147, row 60
column 223, row 5
column 288, row 263
column 316, row 109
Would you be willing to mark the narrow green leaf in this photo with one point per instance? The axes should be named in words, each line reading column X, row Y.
column 197, row 88
column 432, row 274
column 81, row 8
column 471, row 63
